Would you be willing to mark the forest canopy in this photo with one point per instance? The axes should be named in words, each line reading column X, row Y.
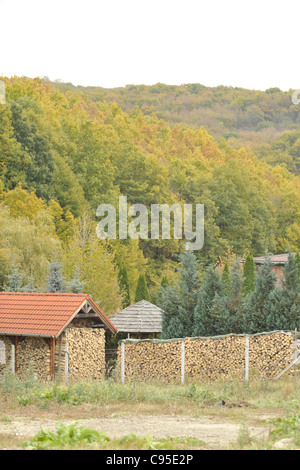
column 65, row 150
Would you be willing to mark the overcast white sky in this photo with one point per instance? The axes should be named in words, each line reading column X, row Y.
column 251, row 44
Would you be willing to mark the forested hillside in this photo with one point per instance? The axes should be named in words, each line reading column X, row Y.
column 64, row 151
column 267, row 122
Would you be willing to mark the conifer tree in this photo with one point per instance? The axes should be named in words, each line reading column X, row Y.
column 30, row 287
column 141, row 292
column 15, row 280
column 56, row 281
column 258, row 304
column 235, row 301
column 160, row 290
column 226, row 278
column 172, row 304
column 227, row 310
column 76, row 286
column 297, row 259
column 178, row 302
column 249, row 275
column 205, row 311
column 284, row 307
column 124, row 286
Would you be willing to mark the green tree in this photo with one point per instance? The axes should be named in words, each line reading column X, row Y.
column 26, row 243
column 15, row 281
column 178, row 302
column 249, row 274
column 258, row 304
column 76, row 286
column 55, row 281
column 284, row 306
column 205, row 311
column 226, row 278
column 40, row 172
column 30, row 287
column 164, row 281
column 227, row 307
column 297, row 259
column 141, row 292
column 124, row 286
column 96, row 262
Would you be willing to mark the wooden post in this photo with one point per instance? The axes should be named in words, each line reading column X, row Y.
column 246, row 358
column 13, row 355
column 66, row 362
column 122, row 362
column 52, row 357
column 16, row 353
column 182, row 362
column 59, row 356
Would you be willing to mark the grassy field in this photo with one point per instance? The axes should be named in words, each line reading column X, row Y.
column 269, row 406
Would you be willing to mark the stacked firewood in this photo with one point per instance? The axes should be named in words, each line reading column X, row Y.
column 147, row 360
column 215, row 358
column 270, row 354
column 33, row 356
column 86, row 353
column 204, row 359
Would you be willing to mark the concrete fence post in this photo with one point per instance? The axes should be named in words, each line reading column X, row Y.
column 182, row 361
column 13, row 358
column 246, row 358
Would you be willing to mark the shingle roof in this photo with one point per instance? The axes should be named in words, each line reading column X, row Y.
column 142, row 317
column 41, row 314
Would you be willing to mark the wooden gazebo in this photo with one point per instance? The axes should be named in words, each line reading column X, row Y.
column 142, row 319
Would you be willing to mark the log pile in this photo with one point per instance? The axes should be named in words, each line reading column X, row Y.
column 211, row 359
column 147, row 360
column 86, row 348
column 270, row 354
column 207, row 358
column 33, row 356
column 45, row 358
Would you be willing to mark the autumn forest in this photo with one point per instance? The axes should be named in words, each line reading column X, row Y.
column 64, row 150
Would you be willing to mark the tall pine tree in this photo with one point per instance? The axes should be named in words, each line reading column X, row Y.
column 226, row 278
column 258, row 304
column 178, row 302
column 249, row 274
column 124, row 286
column 205, row 314
column 227, row 308
column 141, row 292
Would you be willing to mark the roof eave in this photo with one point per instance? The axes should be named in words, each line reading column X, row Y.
column 35, row 335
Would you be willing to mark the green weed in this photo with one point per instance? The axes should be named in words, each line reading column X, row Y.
column 66, row 436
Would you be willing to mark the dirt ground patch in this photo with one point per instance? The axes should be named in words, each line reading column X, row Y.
column 209, row 430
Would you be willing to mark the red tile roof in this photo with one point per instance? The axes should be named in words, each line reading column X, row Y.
column 41, row 314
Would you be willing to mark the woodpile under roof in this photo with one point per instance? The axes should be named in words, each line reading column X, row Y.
column 142, row 317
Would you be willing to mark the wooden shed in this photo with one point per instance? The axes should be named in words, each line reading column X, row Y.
column 54, row 335
column 141, row 319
